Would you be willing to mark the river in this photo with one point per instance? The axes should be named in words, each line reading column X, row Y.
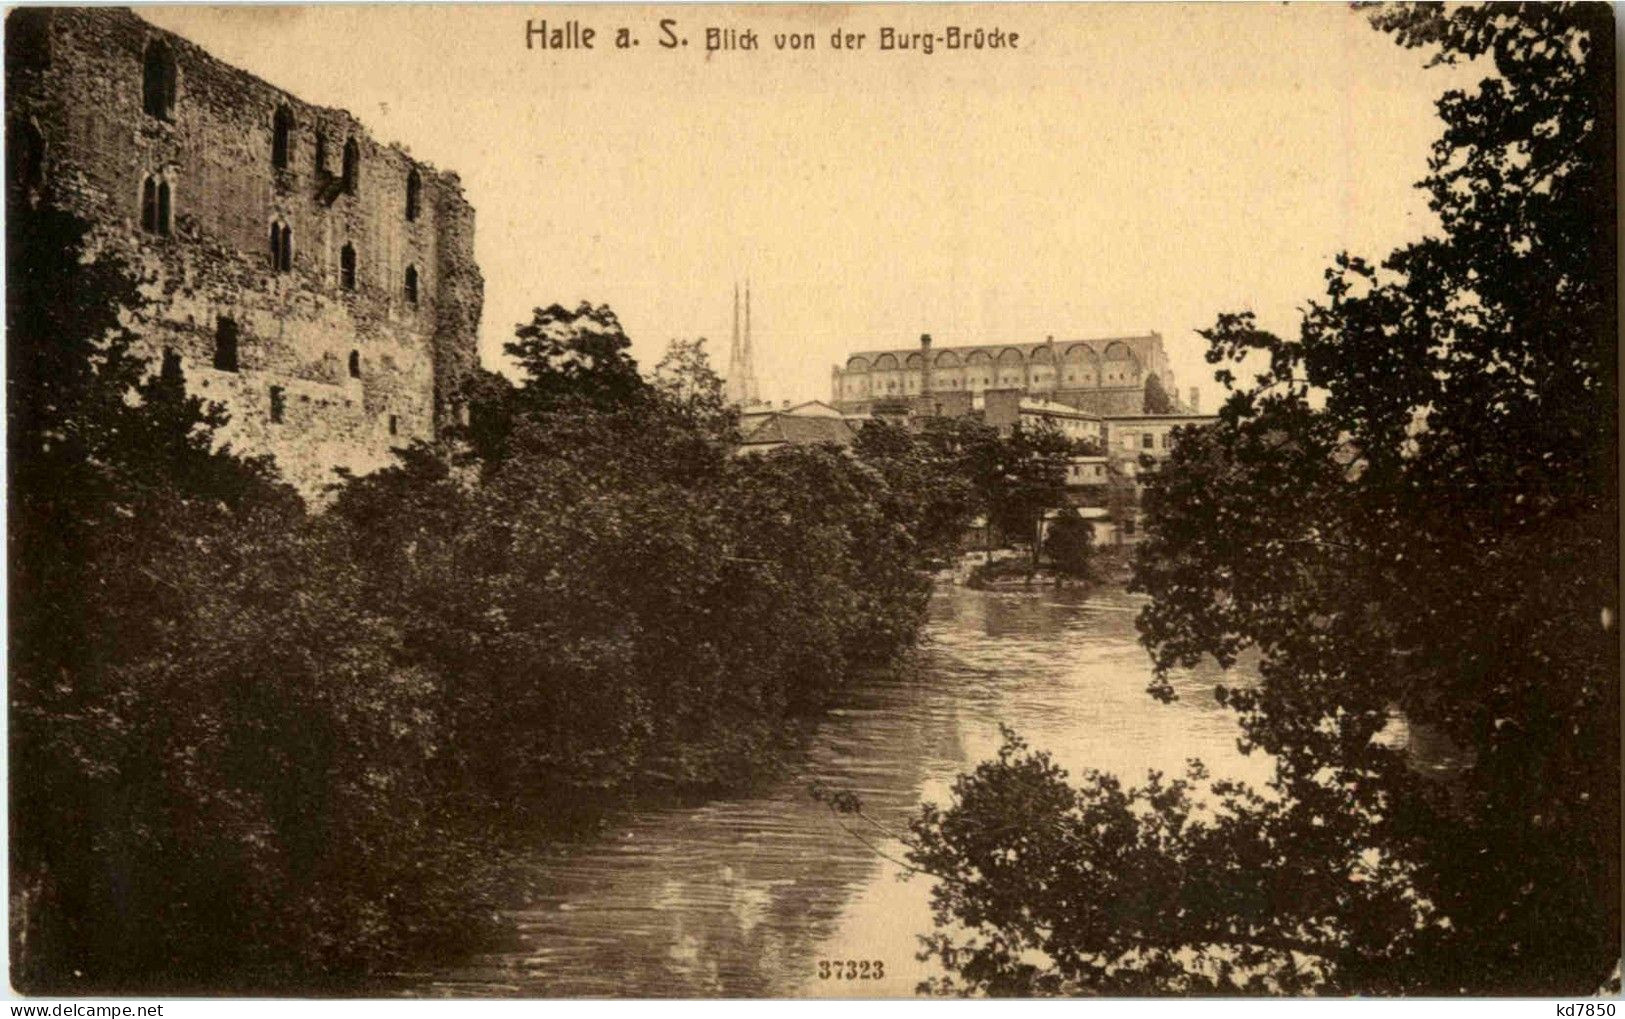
column 743, row 897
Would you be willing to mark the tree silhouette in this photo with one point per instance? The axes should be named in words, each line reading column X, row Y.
column 1156, row 397
column 1411, row 516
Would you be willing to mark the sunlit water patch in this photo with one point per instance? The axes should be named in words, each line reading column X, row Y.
column 744, row 897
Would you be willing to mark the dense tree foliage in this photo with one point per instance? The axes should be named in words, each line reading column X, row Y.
column 613, row 596
column 1156, row 399
column 944, row 473
column 1411, row 516
column 206, row 728
column 1027, row 479
column 1069, row 544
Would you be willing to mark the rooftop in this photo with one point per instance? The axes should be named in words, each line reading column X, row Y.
column 1155, row 418
column 798, row 430
column 1026, row 347
column 1051, row 407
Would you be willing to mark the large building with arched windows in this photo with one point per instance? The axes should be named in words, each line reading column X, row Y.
column 320, row 284
column 1106, row 376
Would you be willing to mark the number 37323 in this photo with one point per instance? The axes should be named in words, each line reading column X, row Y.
column 851, row 969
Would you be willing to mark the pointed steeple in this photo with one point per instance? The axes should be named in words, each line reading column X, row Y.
column 733, row 345
column 749, row 365
column 741, row 383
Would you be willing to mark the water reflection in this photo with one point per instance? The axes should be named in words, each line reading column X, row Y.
column 743, row 897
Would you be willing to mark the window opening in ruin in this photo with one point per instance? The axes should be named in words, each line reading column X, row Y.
column 281, row 247
column 394, row 425
column 171, row 366
column 225, row 345
column 155, row 211
column 321, row 153
column 414, row 195
column 27, row 152
column 281, row 137
column 149, row 205
column 163, row 208
column 352, row 166
column 355, row 364
column 158, row 81
column 279, row 404
column 411, row 284
column 347, row 267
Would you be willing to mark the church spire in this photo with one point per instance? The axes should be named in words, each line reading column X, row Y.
column 741, row 387
column 733, row 346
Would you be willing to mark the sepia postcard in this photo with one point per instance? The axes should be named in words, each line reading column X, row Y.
column 813, row 501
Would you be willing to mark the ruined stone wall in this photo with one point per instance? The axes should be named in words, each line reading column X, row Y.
column 75, row 76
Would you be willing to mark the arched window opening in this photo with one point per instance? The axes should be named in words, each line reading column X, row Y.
column 411, row 284
column 394, row 425
column 225, row 345
column 170, row 371
column 281, row 138
column 355, row 364
column 414, row 195
column 158, row 81
column 321, row 153
column 281, row 247
column 352, row 166
column 155, row 205
column 163, row 207
column 347, row 267
column 27, row 152
column 149, row 205
column 279, row 404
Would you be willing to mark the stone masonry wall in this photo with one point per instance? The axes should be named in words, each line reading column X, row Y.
column 75, row 76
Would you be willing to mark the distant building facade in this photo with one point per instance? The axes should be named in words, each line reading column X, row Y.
column 1128, row 438
column 319, row 284
column 1085, row 472
column 1101, row 376
column 1004, row 409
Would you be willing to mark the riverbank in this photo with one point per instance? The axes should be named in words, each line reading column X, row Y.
column 740, row 894
column 1012, row 570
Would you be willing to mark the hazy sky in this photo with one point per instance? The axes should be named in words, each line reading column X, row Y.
column 1125, row 169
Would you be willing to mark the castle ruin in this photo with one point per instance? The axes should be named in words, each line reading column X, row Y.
column 319, row 284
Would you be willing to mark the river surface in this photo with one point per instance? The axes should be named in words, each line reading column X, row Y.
column 743, row 897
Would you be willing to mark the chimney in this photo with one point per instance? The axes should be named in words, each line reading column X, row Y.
column 1196, row 400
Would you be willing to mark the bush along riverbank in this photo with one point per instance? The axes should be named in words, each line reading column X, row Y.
column 256, row 749
column 1069, row 559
